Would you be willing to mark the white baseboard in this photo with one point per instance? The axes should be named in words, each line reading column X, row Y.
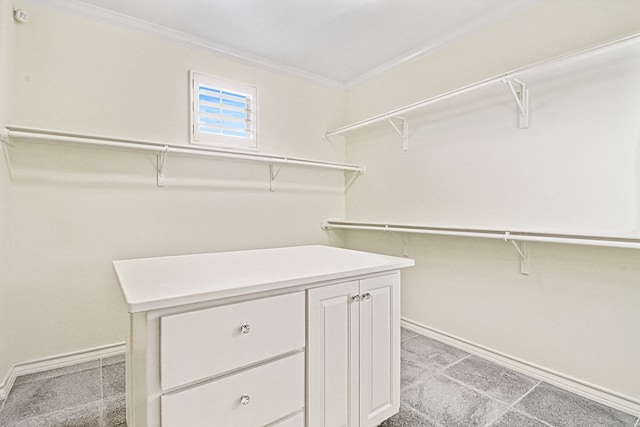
column 58, row 361
column 579, row 387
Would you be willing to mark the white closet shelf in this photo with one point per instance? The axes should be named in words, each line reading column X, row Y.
column 519, row 239
column 572, row 239
column 19, row 133
column 520, row 92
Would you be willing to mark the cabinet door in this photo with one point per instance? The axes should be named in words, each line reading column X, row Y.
column 379, row 348
column 332, row 356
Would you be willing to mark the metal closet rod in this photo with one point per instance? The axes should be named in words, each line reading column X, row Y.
column 33, row 134
column 488, row 234
column 482, row 83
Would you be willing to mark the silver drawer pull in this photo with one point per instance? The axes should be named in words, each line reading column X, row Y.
column 366, row 296
column 245, row 329
column 244, row 399
column 355, row 298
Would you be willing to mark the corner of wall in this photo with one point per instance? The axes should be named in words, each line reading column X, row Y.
column 6, row 50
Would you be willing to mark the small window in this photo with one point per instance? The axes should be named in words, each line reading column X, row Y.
column 223, row 113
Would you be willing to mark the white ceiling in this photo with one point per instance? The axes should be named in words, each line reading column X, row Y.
column 339, row 41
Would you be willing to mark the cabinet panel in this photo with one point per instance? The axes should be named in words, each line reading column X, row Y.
column 204, row 343
column 354, row 352
column 379, row 349
column 273, row 390
column 295, row 421
column 332, row 350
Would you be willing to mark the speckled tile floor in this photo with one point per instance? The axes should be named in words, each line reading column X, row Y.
column 441, row 386
column 89, row 394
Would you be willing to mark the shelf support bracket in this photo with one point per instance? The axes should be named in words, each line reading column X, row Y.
column 352, row 178
column 273, row 174
column 405, row 245
column 4, row 138
column 523, row 251
column 404, row 133
column 161, row 159
column 521, row 95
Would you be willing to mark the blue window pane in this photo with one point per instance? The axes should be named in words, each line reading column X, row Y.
column 222, row 125
column 210, row 121
column 238, row 95
column 209, row 90
column 212, row 110
column 232, row 133
column 210, row 130
column 234, row 125
column 211, row 99
column 235, row 114
column 234, row 104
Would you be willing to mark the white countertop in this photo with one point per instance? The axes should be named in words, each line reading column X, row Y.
column 153, row 283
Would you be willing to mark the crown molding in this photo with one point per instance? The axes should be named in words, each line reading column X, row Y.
column 422, row 51
column 129, row 23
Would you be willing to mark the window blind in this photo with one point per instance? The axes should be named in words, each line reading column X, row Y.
column 223, row 112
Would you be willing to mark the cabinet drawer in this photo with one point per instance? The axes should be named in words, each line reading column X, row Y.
column 274, row 390
column 294, row 421
column 204, row 343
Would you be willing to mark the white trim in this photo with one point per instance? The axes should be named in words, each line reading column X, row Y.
column 126, row 22
column 129, row 23
column 418, row 53
column 58, row 361
column 599, row 394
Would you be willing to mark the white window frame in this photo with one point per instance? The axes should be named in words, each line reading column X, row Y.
column 201, row 136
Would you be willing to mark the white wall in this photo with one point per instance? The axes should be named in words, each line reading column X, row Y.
column 6, row 49
column 76, row 209
column 575, row 170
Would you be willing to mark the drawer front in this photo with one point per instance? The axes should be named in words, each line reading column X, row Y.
column 272, row 392
column 205, row 343
column 294, row 421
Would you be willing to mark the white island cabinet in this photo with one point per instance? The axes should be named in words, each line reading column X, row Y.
column 284, row 337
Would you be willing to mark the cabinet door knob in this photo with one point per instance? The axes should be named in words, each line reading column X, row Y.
column 355, row 298
column 366, row 296
column 244, row 399
column 245, row 329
